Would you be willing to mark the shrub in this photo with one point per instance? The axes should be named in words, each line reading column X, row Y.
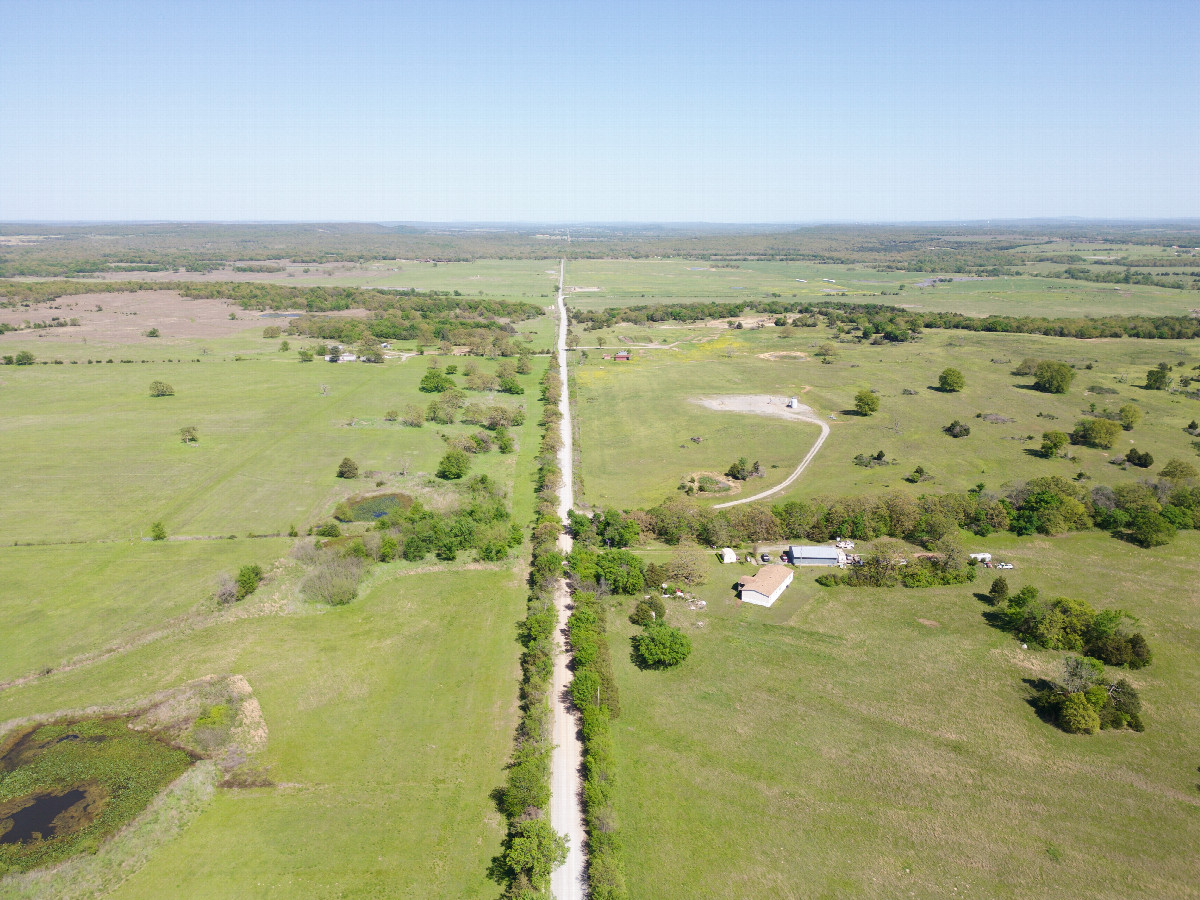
column 334, row 580
column 272, row 331
column 1178, row 470
column 1129, row 416
column 158, row 532
column 248, row 579
column 435, row 382
column 1140, row 459
column 1053, row 377
column 391, row 415
column 661, row 647
column 454, row 465
column 1053, row 443
column 1159, row 379
column 649, row 611
column 414, row 416
column 510, row 385
column 957, row 429
column 24, row 358
column 329, row 530
column 226, row 592
column 348, row 468
column 189, row 434
column 866, row 403
column 161, row 389
column 951, row 380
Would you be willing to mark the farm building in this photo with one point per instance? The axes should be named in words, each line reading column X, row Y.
column 816, row 556
column 622, row 354
column 764, row 586
column 982, row 557
column 727, row 555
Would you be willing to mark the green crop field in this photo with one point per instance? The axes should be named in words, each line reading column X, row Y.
column 878, row 743
column 636, row 418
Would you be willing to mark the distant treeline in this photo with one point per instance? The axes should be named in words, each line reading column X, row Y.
column 1185, row 282
column 896, row 324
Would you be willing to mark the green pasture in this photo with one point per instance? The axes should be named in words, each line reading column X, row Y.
column 878, row 743
column 625, row 282
column 101, row 459
column 635, row 419
column 510, row 279
column 66, row 600
column 390, row 722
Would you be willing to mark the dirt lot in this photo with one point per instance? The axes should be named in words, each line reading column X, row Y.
column 125, row 318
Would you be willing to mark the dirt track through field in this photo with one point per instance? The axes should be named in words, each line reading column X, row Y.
column 762, row 405
column 569, row 881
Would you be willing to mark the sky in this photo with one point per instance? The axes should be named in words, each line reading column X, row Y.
column 579, row 111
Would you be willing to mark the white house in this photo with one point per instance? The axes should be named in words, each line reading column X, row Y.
column 727, row 555
column 764, row 586
column 816, row 556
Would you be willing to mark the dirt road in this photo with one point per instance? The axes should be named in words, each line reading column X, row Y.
column 762, row 405
column 569, row 881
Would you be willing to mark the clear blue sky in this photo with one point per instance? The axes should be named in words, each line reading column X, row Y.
column 583, row 111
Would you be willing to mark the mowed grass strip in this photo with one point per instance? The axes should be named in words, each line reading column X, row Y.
column 878, row 744
column 390, row 723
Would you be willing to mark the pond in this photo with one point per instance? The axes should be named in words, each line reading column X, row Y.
column 37, row 820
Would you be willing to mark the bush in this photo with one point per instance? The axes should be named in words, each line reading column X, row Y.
column 329, row 530
column 25, row 358
column 436, row 382
column 998, row 592
column 1159, row 379
column 1053, row 377
column 1140, row 459
column 1178, row 470
column 646, row 612
column 1053, row 443
column 951, row 381
column 248, row 579
column 334, row 580
column 866, row 403
column 158, row 532
column 272, row 331
column 957, row 429
column 161, row 389
column 1129, row 416
column 348, row 468
column 454, row 465
column 661, row 647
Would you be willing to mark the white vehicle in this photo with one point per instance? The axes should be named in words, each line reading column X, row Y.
column 1004, row 565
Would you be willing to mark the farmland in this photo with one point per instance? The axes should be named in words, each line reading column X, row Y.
column 867, row 741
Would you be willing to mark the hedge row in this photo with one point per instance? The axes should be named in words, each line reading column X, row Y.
column 531, row 850
column 594, row 692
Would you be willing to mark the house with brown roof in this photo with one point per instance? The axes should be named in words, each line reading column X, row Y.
column 764, row 586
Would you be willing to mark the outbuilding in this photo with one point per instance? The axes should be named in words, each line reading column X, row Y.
column 764, row 586
column 727, row 555
column 982, row 557
column 816, row 556
column 622, row 355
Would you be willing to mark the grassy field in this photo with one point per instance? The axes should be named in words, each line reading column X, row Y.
column 636, row 418
column 878, row 743
column 505, row 278
column 390, row 721
column 624, row 282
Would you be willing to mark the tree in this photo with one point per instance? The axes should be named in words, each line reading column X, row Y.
column 661, row 647
column 510, row 385
column 1130, row 416
column 189, row 434
column 305, row 355
column 688, row 565
column 158, row 531
column 348, row 468
column 622, row 571
column 740, row 470
column 435, row 382
column 1100, row 433
column 647, row 612
column 24, row 358
column 1078, row 716
column 1053, row 443
column 284, row 347
column 1053, row 377
column 1159, row 379
column 161, row 389
column 866, row 403
column 957, row 429
column 272, row 331
column 414, row 416
column 998, row 592
column 951, row 381
column 455, row 464
column 1142, row 460
column 535, row 850
column 1179, row 470
column 1150, row 529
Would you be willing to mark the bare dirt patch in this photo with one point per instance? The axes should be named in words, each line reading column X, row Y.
column 929, row 623
column 783, row 354
column 735, row 486
column 125, row 318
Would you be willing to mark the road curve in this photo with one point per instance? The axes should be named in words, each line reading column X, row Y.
column 569, row 881
column 799, row 417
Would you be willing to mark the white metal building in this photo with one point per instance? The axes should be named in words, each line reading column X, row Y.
column 727, row 555
column 816, row 556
